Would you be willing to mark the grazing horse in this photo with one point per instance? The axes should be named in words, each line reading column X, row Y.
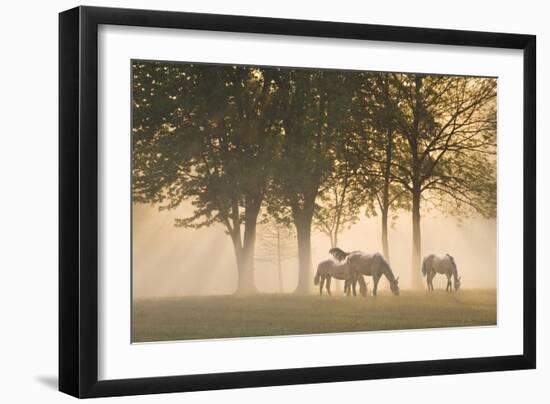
column 369, row 265
column 328, row 269
column 441, row 264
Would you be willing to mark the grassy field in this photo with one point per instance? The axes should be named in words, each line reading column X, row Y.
column 232, row 316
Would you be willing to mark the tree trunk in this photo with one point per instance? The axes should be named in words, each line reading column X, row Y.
column 303, row 232
column 416, row 253
column 385, row 241
column 416, row 186
column 386, row 195
column 333, row 241
column 279, row 269
column 246, row 285
column 245, row 254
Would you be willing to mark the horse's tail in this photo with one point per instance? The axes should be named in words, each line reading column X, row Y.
column 317, row 276
column 424, row 266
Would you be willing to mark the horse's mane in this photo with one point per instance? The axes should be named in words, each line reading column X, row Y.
column 338, row 254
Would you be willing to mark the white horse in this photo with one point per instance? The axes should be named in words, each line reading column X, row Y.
column 328, row 269
column 369, row 265
column 441, row 264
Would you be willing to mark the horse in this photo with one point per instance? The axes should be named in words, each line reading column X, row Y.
column 328, row 269
column 340, row 256
column 369, row 265
column 441, row 264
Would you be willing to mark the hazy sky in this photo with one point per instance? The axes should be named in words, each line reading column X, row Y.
column 172, row 261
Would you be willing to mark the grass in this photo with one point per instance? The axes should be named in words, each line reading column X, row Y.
column 184, row 318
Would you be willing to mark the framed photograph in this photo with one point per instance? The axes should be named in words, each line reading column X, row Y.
column 251, row 201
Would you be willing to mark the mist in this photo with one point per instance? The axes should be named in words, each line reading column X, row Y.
column 174, row 261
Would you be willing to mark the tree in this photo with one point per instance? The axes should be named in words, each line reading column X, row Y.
column 198, row 133
column 374, row 151
column 447, row 126
column 276, row 244
column 337, row 207
column 315, row 104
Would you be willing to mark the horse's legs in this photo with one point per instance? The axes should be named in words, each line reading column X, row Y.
column 321, row 284
column 430, row 279
column 355, row 282
column 328, row 285
column 348, row 285
column 449, row 285
column 375, row 280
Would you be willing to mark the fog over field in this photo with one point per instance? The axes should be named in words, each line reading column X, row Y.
column 175, row 261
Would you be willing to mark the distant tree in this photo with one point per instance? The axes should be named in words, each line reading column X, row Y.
column 276, row 244
column 336, row 207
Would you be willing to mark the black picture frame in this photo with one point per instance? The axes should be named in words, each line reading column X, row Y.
column 78, row 201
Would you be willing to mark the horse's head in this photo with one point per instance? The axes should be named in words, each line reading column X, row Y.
column 457, row 283
column 394, row 286
column 338, row 254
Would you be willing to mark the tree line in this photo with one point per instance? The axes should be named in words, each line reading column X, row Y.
column 310, row 149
